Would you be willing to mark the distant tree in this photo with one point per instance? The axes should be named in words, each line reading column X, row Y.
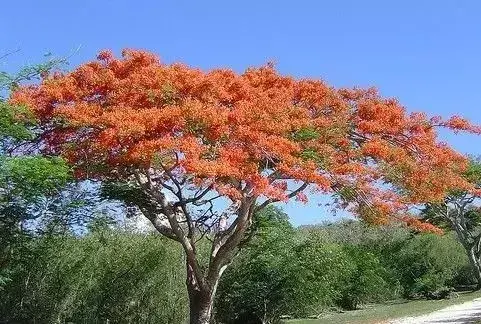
column 428, row 265
column 24, row 177
column 181, row 144
column 261, row 286
column 460, row 211
column 299, row 273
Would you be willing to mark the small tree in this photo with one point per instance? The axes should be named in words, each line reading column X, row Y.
column 460, row 212
column 24, row 177
column 199, row 153
column 261, row 284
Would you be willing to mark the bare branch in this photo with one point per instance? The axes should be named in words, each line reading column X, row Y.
column 161, row 227
column 226, row 242
column 196, row 197
column 289, row 196
column 169, row 211
column 205, row 201
column 9, row 53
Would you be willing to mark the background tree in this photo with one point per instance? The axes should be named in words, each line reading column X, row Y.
column 24, row 177
column 266, row 272
column 428, row 265
column 339, row 266
column 181, row 144
column 460, row 212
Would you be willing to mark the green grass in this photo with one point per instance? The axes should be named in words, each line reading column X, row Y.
column 383, row 312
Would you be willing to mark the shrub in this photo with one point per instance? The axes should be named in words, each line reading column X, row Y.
column 323, row 269
column 259, row 285
column 108, row 276
column 428, row 264
column 368, row 279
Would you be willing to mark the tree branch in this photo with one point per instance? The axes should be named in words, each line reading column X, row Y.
column 289, row 196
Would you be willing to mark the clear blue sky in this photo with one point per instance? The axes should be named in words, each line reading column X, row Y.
column 426, row 53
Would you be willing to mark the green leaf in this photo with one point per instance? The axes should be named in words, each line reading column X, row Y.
column 31, row 176
column 15, row 122
column 305, row 134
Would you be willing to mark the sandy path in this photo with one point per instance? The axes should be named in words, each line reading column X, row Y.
column 469, row 312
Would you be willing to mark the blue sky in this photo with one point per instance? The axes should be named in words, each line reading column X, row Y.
column 426, row 53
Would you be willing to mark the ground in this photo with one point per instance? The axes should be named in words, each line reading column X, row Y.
column 467, row 310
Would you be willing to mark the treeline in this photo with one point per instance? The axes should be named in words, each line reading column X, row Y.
column 115, row 275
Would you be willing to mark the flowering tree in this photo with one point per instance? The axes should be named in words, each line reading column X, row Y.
column 177, row 143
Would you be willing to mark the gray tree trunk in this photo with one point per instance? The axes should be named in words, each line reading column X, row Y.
column 475, row 264
column 470, row 242
column 200, row 303
column 201, row 299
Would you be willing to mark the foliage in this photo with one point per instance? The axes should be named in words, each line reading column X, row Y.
column 323, row 271
column 460, row 212
column 368, row 279
column 263, row 272
column 172, row 139
column 106, row 276
column 412, row 265
column 160, row 129
column 73, row 210
column 132, row 278
column 24, row 179
column 31, row 176
column 29, row 72
column 13, row 124
column 428, row 264
column 344, row 265
column 353, row 232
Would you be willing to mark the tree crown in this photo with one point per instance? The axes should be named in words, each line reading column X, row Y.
column 254, row 133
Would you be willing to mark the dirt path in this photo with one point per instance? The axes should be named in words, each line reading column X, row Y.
column 469, row 312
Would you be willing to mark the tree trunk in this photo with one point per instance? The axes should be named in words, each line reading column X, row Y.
column 476, row 264
column 471, row 245
column 200, row 303
column 201, row 298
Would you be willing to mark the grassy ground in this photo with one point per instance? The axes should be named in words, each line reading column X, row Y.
column 381, row 313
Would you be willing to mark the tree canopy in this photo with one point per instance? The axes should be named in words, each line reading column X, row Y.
column 114, row 118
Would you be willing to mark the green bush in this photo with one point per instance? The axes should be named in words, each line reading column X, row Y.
column 259, row 285
column 368, row 281
column 284, row 273
column 429, row 264
column 106, row 276
column 322, row 271
column 122, row 277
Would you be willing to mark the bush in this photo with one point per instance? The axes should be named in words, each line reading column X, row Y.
column 368, row 279
column 107, row 276
column 281, row 273
column 323, row 270
column 429, row 264
column 121, row 277
column 259, row 285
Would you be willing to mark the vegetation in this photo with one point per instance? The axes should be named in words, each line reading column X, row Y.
column 178, row 145
column 460, row 212
column 26, row 177
column 203, row 157
column 105, row 276
column 115, row 274
column 322, row 268
column 385, row 312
